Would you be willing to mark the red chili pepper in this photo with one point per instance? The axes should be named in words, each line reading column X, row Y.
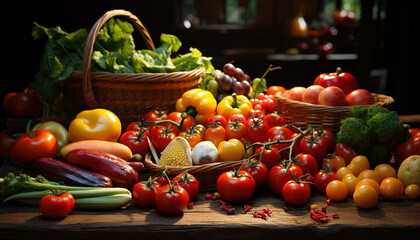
column 335, row 215
column 285, row 209
column 324, row 208
column 247, row 207
column 267, row 211
column 208, row 196
column 328, row 201
column 258, row 214
column 191, row 205
column 319, row 215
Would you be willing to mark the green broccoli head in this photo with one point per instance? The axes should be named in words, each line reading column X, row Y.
column 380, row 153
column 373, row 110
column 358, row 111
column 388, row 128
column 356, row 134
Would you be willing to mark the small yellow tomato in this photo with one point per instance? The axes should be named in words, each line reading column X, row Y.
column 371, row 182
column 365, row 196
column 412, row 191
column 391, row 188
column 358, row 164
column 336, row 190
column 368, row 173
column 343, row 171
column 231, row 150
column 351, row 182
column 385, row 170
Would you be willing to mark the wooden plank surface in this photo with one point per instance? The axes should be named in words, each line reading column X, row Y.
column 388, row 220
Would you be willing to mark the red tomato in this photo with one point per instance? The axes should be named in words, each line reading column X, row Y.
column 345, row 81
column 309, row 163
column 215, row 134
column 328, row 135
column 278, row 176
column 136, row 141
column 332, row 96
column 236, row 186
column 269, row 156
column 177, row 117
column 274, row 119
column 235, row 130
column 322, row 178
column 172, row 199
column 33, row 145
column 296, row 193
column 360, row 97
column 24, row 104
column 406, row 149
column 161, row 137
column 256, row 113
column 155, row 115
column 316, row 146
column 216, row 120
column 257, row 104
column 188, row 182
column 56, row 206
column 284, row 132
column 272, row 90
column 237, row 118
column 256, row 130
column 311, row 94
column 258, row 171
column 345, row 152
column 414, row 132
column 144, row 193
column 139, row 125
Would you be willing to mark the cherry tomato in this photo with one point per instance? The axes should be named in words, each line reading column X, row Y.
column 136, row 141
column 231, row 150
column 155, row 115
column 56, row 206
column 172, row 199
column 256, row 113
column 385, row 170
column 345, row 152
column 391, row 188
column 328, row 135
column 188, row 182
column 309, row 163
column 334, row 162
column 316, row 146
column 161, row 137
column 272, row 90
column 358, row 164
column 406, row 149
column 369, row 174
column 177, row 117
column 256, row 130
column 365, row 196
column 322, row 178
column 24, row 104
column 278, row 176
column 144, row 193
column 296, row 193
column 216, row 120
column 371, row 182
column 236, row 186
column 336, row 190
column 237, row 118
column 215, row 134
column 33, row 145
column 269, row 155
column 412, row 191
column 235, row 130
column 274, row 119
column 351, row 182
column 341, row 172
column 257, row 169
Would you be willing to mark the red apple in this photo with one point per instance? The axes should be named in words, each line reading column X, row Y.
column 311, row 94
column 332, row 96
column 296, row 93
column 360, row 97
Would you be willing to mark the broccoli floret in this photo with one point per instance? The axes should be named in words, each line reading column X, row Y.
column 388, row 128
column 373, row 110
column 358, row 111
column 380, row 153
column 356, row 134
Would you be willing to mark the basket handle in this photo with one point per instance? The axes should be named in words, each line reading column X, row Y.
column 88, row 51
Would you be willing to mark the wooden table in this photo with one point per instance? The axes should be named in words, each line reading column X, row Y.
column 388, row 220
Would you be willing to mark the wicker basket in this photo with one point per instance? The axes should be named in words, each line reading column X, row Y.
column 129, row 96
column 205, row 174
column 303, row 115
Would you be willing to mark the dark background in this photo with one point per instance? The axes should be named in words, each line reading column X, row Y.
column 387, row 44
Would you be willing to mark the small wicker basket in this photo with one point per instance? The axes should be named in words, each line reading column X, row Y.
column 303, row 115
column 129, row 96
column 206, row 174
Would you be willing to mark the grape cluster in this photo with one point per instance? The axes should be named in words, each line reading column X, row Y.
column 232, row 80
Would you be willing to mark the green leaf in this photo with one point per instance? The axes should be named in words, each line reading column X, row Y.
column 171, row 41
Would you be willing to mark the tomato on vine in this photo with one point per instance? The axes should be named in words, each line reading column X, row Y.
column 172, row 199
column 295, row 192
column 257, row 169
column 322, row 178
column 235, row 186
column 188, row 182
column 269, row 155
column 274, row 119
column 144, row 193
column 256, row 130
column 136, row 141
column 280, row 174
column 161, row 137
column 308, row 163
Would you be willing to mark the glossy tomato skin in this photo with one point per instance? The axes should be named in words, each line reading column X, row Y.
column 406, row 149
column 235, row 186
column 360, row 97
column 322, row 178
column 256, row 130
column 188, row 182
column 55, row 207
column 33, row 145
column 296, row 194
column 216, row 120
column 155, row 115
column 272, row 90
column 177, row 117
column 144, row 195
column 345, row 152
column 136, row 141
column 278, row 176
column 24, row 104
column 274, row 119
column 268, row 156
column 309, row 163
column 316, row 146
column 258, row 171
column 161, row 137
column 172, row 199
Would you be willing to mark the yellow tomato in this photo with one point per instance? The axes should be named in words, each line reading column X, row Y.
column 351, row 182
column 231, row 150
column 371, row 182
column 343, row 171
column 358, row 164
column 336, row 190
column 368, row 173
column 391, row 188
column 365, row 196
column 385, row 170
column 412, row 191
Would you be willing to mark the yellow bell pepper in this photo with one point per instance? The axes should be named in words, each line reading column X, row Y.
column 95, row 124
column 198, row 103
column 59, row 131
column 234, row 104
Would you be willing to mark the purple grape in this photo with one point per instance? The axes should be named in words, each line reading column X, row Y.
column 229, row 69
column 248, row 78
column 238, row 88
column 247, row 86
column 239, row 74
column 226, row 82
